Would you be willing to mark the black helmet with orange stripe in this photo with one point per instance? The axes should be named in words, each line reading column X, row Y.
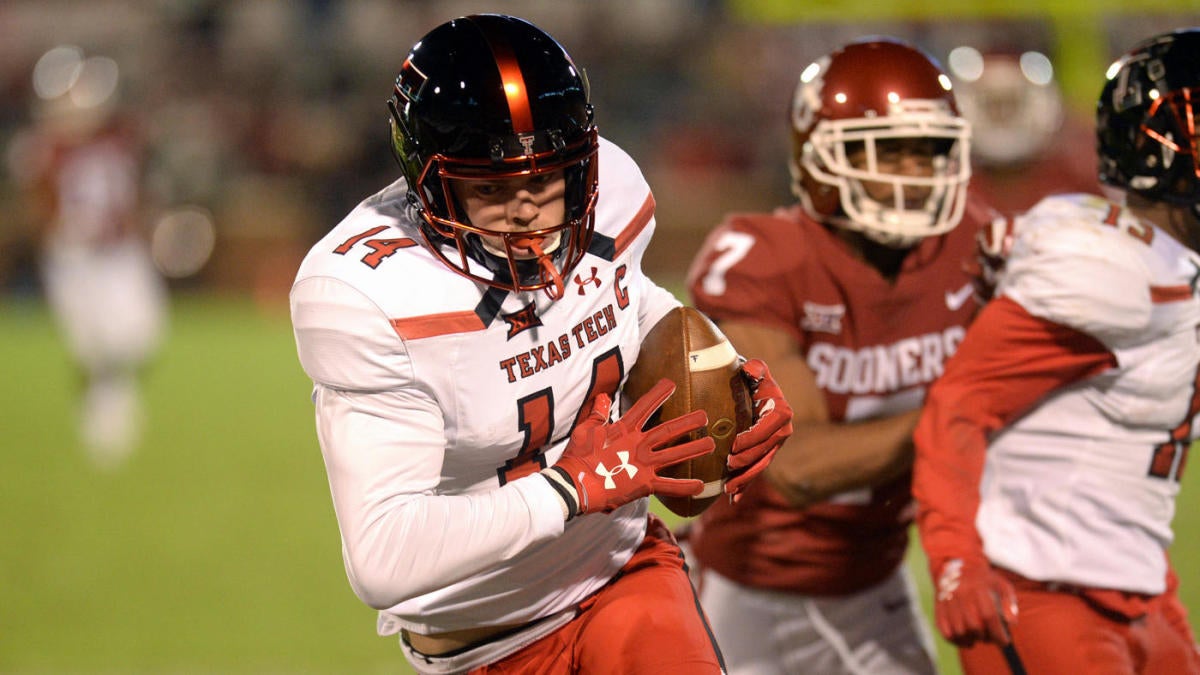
column 494, row 97
column 1146, row 120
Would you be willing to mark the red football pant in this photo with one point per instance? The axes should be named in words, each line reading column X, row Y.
column 647, row 620
column 1064, row 633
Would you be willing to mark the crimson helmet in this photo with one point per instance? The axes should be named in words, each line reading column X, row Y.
column 868, row 91
column 492, row 97
column 1146, row 120
column 1012, row 101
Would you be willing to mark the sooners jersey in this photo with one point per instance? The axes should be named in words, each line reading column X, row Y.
column 438, row 399
column 1081, row 489
column 874, row 346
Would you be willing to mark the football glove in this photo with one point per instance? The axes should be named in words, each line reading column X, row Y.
column 606, row 465
column 974, row 603
column 993, row 242
column 753, row 448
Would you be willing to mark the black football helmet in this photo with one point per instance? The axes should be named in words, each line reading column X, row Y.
column 493, row 97
column 1146, row 120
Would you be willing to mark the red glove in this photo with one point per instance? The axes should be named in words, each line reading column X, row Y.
column 753, row 448
column 974, row 603
column 608, row 465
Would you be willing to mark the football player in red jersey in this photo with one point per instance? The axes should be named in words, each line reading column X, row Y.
column 467, row 329
column 1049, row 454
column 83, row 163
column 856, row 296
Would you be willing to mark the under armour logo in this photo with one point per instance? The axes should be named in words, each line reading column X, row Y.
column 949, row 580
column 629, row 469
column 591, row 280
column 526, row 141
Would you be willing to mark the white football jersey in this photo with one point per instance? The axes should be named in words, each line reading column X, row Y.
column 438, row 399
column 1094, row 467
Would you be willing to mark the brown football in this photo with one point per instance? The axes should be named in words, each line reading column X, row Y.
column 688, row 349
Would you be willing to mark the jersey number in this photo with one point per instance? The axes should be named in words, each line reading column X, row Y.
column 1169, row 459
column 731, row 247
column 1132, row 227
column 380, row 248
column 535, row 416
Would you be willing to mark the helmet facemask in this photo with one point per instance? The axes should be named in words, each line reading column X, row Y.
column 522, row 260
column 501, row 258
column 896, row 222
column 1171, row 146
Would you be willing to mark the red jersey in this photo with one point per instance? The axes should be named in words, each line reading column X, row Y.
column 874, row 345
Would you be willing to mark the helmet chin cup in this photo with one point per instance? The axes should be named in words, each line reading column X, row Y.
column 465, row 252
column 541, row 268
column 547, row 272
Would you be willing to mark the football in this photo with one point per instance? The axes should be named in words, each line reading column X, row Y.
column 686, row 347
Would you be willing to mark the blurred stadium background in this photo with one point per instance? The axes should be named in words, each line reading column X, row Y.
column 214, row 548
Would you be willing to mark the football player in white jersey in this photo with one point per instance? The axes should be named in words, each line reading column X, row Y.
column 1050, row 451
column 467, row 329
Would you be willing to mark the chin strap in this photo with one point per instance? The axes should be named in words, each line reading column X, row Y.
column 547, row 272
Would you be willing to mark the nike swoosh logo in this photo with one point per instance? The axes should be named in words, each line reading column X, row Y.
column 956, row 299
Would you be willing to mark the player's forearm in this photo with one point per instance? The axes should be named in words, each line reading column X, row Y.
column 403, row 535
column 823, row 459
column 394, row 552
column 950, row 451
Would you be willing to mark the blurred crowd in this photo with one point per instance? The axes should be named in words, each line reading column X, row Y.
column 260, row 123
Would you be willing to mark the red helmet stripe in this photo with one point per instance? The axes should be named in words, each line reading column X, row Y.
column 513, row 82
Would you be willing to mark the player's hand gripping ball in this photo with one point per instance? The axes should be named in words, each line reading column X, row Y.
column 607, row 465
column 686, row 348
column 754, row 448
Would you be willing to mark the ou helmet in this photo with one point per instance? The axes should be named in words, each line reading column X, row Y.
column 1146, row 120
column 872, row 90
column 1012, row 101
column 491, row 97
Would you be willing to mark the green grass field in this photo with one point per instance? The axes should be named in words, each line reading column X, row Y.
column 214, row 550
